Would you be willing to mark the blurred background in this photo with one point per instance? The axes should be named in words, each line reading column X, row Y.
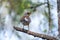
column 44, row 18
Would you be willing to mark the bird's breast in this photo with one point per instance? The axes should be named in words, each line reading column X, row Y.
column 26, row 19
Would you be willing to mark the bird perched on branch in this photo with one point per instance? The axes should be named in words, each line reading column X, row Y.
column 25, row 20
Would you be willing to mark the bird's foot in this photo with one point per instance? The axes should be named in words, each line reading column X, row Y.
column 23, row 29
column 28, row 31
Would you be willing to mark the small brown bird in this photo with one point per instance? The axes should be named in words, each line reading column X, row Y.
column 25, row 20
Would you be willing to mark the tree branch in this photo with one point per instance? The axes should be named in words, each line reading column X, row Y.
column 43, row 36
column 38, row 5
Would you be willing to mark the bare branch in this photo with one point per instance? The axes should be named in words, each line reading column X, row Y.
column 38, row 5
column 43, row 36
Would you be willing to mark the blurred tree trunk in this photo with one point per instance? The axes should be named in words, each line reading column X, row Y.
column 50, row 20
column 58, row 1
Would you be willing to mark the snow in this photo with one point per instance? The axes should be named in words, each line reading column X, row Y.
column 35, row 26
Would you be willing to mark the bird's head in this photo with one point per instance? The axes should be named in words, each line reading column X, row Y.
column 28, row 13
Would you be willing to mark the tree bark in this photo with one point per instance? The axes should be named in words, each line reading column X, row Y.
column 43, row 36
column 58, row 7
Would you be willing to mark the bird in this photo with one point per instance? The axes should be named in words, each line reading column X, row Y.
column 25, row 19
